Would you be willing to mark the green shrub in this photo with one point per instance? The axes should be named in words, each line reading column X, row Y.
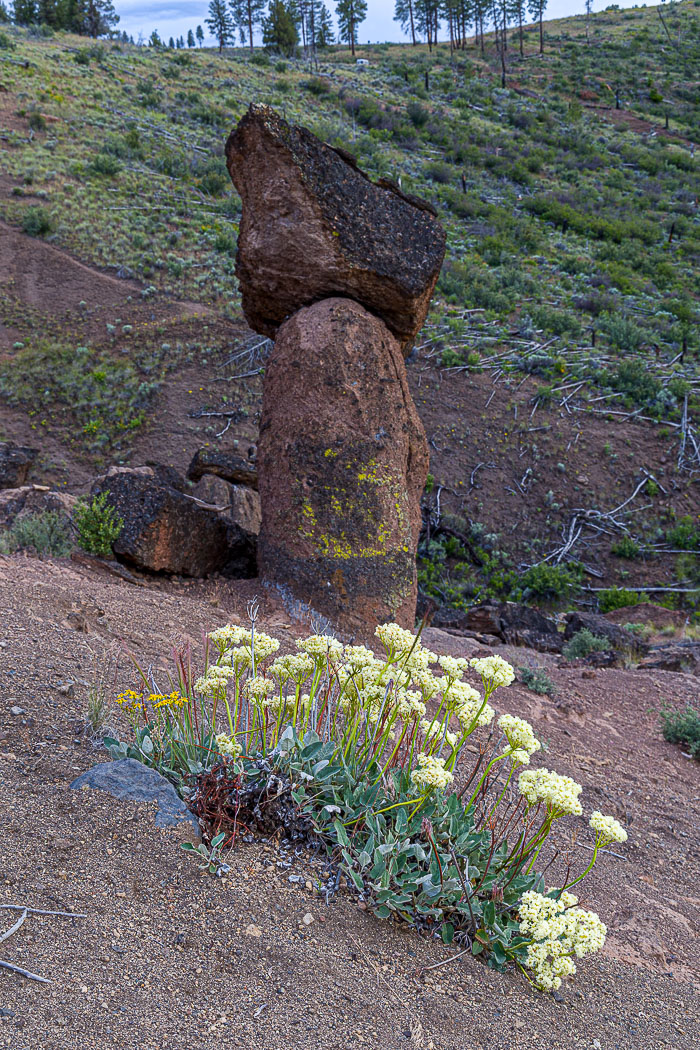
column 550, row 582
column 317, row 86
column 98, row 525
column 626, row 547
column 37, row 122
column 6, row 42
column 584, row 643
column 682, row 727
column 685, row 534
column 46, row 533
column 104, row 164
column 537, row 681
column 619, row 598
column 37, row 222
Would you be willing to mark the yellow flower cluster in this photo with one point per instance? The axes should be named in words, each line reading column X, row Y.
column 607, row 828
column 559, row 794
column 131, row 702
column 431, row 773
column 559, row 931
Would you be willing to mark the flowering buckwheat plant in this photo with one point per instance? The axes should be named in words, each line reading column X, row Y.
column 426, row 798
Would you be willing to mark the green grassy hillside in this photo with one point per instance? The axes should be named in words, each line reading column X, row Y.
column 573, row 260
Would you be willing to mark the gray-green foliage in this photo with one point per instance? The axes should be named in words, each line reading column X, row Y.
column 584, row 643
column 537, row 681
column 45, row 533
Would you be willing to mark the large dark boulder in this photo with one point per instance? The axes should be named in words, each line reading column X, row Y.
column 166, row 531
column 15, row 463
column 343, row 460
column 620, row 640
column 314, row 226
column 29, row 500
column 128, row 779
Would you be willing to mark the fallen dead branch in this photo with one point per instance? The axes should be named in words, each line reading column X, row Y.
column 24, row 911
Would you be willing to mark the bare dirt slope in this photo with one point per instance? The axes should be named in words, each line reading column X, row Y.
column 169, row 958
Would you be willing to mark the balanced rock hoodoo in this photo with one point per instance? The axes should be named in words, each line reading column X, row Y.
column 341, row 271
column 342, row 461
column 314, row 226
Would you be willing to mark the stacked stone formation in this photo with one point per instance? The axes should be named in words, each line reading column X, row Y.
column 340, row 270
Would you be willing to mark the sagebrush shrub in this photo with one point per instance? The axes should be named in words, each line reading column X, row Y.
column 682, row 726
column 583, row 643
column 46, row 533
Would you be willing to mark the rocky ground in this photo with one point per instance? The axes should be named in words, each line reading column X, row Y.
column 169, row 958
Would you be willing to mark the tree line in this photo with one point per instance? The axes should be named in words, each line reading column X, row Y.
column 87, row 17
column 286, row 24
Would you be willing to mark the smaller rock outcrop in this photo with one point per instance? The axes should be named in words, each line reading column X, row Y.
column 621, row 641
column 226, row 465
column 33, row 499
column 343, row 461
column 15, row 463
column 509, row 622
column 165, row 530
column 682, row 657
column 314, row 226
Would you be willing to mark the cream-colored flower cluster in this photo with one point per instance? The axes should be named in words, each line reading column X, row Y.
column 230, row 634
column 519, row 734
column 396, row 640
column 559, row 794
column 453, row 667
column 258, row 688
column 296, row 667
column 607, row 829
column 228, row 745
column 215, row 681
column 431, row 773
column 321, row 647
column 559, row 931
column 494, row 671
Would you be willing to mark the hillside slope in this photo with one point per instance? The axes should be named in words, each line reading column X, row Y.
column 560, row 359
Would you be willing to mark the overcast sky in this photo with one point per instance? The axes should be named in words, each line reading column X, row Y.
column 177, row 16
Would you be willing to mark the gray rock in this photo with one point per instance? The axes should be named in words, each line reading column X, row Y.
column 129, row 779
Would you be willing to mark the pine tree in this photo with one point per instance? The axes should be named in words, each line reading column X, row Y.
column 350, row 13
column 536, row 9
column 247, row 16
column 427, row 15
column 279, row 32
column 199, row 33
column 190, row 38
column 324, row 28
column 154, row 39
column 97, row 17
column 24, row 12
column 220, row 23
column 4, row 13
column 403, row 14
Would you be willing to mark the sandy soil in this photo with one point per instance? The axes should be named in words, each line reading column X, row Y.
column 168, row 958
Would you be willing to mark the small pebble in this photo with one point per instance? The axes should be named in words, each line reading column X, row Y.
column 308, row 919
column 17, row 711
column 252, row 930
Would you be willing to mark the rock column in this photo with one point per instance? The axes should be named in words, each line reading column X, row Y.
column 340, row 271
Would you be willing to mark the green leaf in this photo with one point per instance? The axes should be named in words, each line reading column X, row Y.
column 218, row 839
column 477, row 947
column 382, row 912
column 341, row 834
column 447, row 932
